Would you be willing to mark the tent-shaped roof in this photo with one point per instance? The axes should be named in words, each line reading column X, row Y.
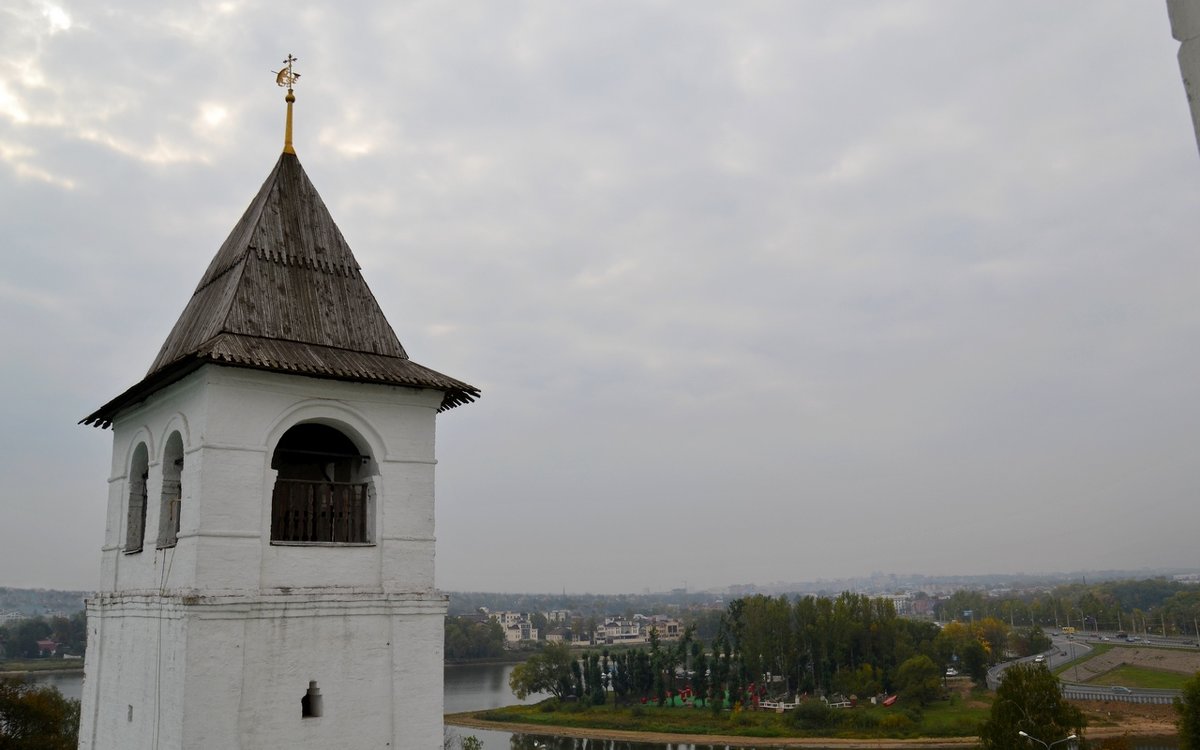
column 284, row 293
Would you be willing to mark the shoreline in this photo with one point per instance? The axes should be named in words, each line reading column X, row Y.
column 471, row 720
column 23, row 672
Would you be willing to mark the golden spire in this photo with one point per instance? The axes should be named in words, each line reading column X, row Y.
column 287, row 77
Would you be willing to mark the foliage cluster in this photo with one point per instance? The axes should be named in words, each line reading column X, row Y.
column 36, row 717
column 467, row 638
column 772, row 648
column 1142, row 606
column 813, row 718
column 630, row 674
column 1187, row 709
column 19, row 639
column 1029, row 700
column 852, row 645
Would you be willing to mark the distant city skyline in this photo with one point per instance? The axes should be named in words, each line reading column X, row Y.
column 754, row 292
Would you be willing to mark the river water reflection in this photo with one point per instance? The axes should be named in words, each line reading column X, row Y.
column 481, row 686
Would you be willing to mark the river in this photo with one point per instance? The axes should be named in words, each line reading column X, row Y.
column 479, row 686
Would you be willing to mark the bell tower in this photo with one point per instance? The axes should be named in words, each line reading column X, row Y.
column 267, row 566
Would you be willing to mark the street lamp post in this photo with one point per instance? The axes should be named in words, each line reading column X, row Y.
column 1043, row 744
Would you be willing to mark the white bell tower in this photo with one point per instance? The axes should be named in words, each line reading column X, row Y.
column 267, row 574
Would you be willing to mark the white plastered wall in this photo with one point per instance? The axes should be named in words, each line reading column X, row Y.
column 212, row 642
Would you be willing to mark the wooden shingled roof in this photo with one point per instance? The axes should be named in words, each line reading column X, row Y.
column 284, row 293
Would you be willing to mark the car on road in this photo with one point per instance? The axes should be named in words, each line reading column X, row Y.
column 1040, row 658
column 1121, row 689
column 951, row 672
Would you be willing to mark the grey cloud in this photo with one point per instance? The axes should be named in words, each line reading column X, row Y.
column 780, row 291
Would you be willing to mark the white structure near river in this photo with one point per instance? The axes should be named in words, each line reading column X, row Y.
column 267, row 568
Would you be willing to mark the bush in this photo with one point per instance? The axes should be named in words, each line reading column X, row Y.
column 740, row 718
column 859, row 719
column 814, row 715
column 36, row 717
column 896, row 722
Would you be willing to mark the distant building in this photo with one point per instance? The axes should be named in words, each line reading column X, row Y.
column 558, row 635
column 518, row 627
column 901, row 602
column 616, row 630
column 558, row 615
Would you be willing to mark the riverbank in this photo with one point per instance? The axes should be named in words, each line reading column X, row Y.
column 40, row 666
column 1105, row 721
column 472, row 720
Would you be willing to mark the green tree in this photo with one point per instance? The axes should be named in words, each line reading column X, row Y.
column 1029, row 700
column 700, row 678
column 1029, row 641
column 548, row 671
column 1187, row 707
column 975, row 661
column 862, row 682
column 538, row 620
column 24, row 635
column 466, row 638
column 919, row 680
column 36, row 717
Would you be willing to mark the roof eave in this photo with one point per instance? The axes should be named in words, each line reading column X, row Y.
column 107, row 414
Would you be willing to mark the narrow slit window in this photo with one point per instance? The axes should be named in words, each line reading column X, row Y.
column 171, row 499
column 135, row 521
column 311, row 705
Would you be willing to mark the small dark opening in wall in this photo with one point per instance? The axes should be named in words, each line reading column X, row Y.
column 311, row 705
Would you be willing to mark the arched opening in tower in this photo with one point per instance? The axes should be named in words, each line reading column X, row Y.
column 321, row 491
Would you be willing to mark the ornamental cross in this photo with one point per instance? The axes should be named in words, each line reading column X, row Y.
column 286, row 76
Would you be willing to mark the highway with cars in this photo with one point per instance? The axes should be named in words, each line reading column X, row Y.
column 1066, row 650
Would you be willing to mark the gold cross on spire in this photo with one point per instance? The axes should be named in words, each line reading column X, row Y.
column 287, row 77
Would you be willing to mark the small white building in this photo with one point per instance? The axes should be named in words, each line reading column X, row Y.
column 267, row 567
column 518, row 628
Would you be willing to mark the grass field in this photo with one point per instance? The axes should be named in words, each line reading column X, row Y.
column 950, row 718
column 1141, row 677
column 40, row 665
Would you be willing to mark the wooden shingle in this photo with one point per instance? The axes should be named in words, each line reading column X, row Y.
column 284, row 293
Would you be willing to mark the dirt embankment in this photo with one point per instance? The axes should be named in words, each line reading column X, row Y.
column 1105, row 721
column 1113, row 719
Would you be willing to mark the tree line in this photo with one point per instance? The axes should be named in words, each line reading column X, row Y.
column 1153, row 605
column 19, row 639
column 469, row 638
column 766, row 646
column 36, row 717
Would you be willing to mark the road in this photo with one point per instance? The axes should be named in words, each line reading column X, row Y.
column 1066, row 650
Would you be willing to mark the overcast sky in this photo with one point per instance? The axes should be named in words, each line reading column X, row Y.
column 754, row 291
